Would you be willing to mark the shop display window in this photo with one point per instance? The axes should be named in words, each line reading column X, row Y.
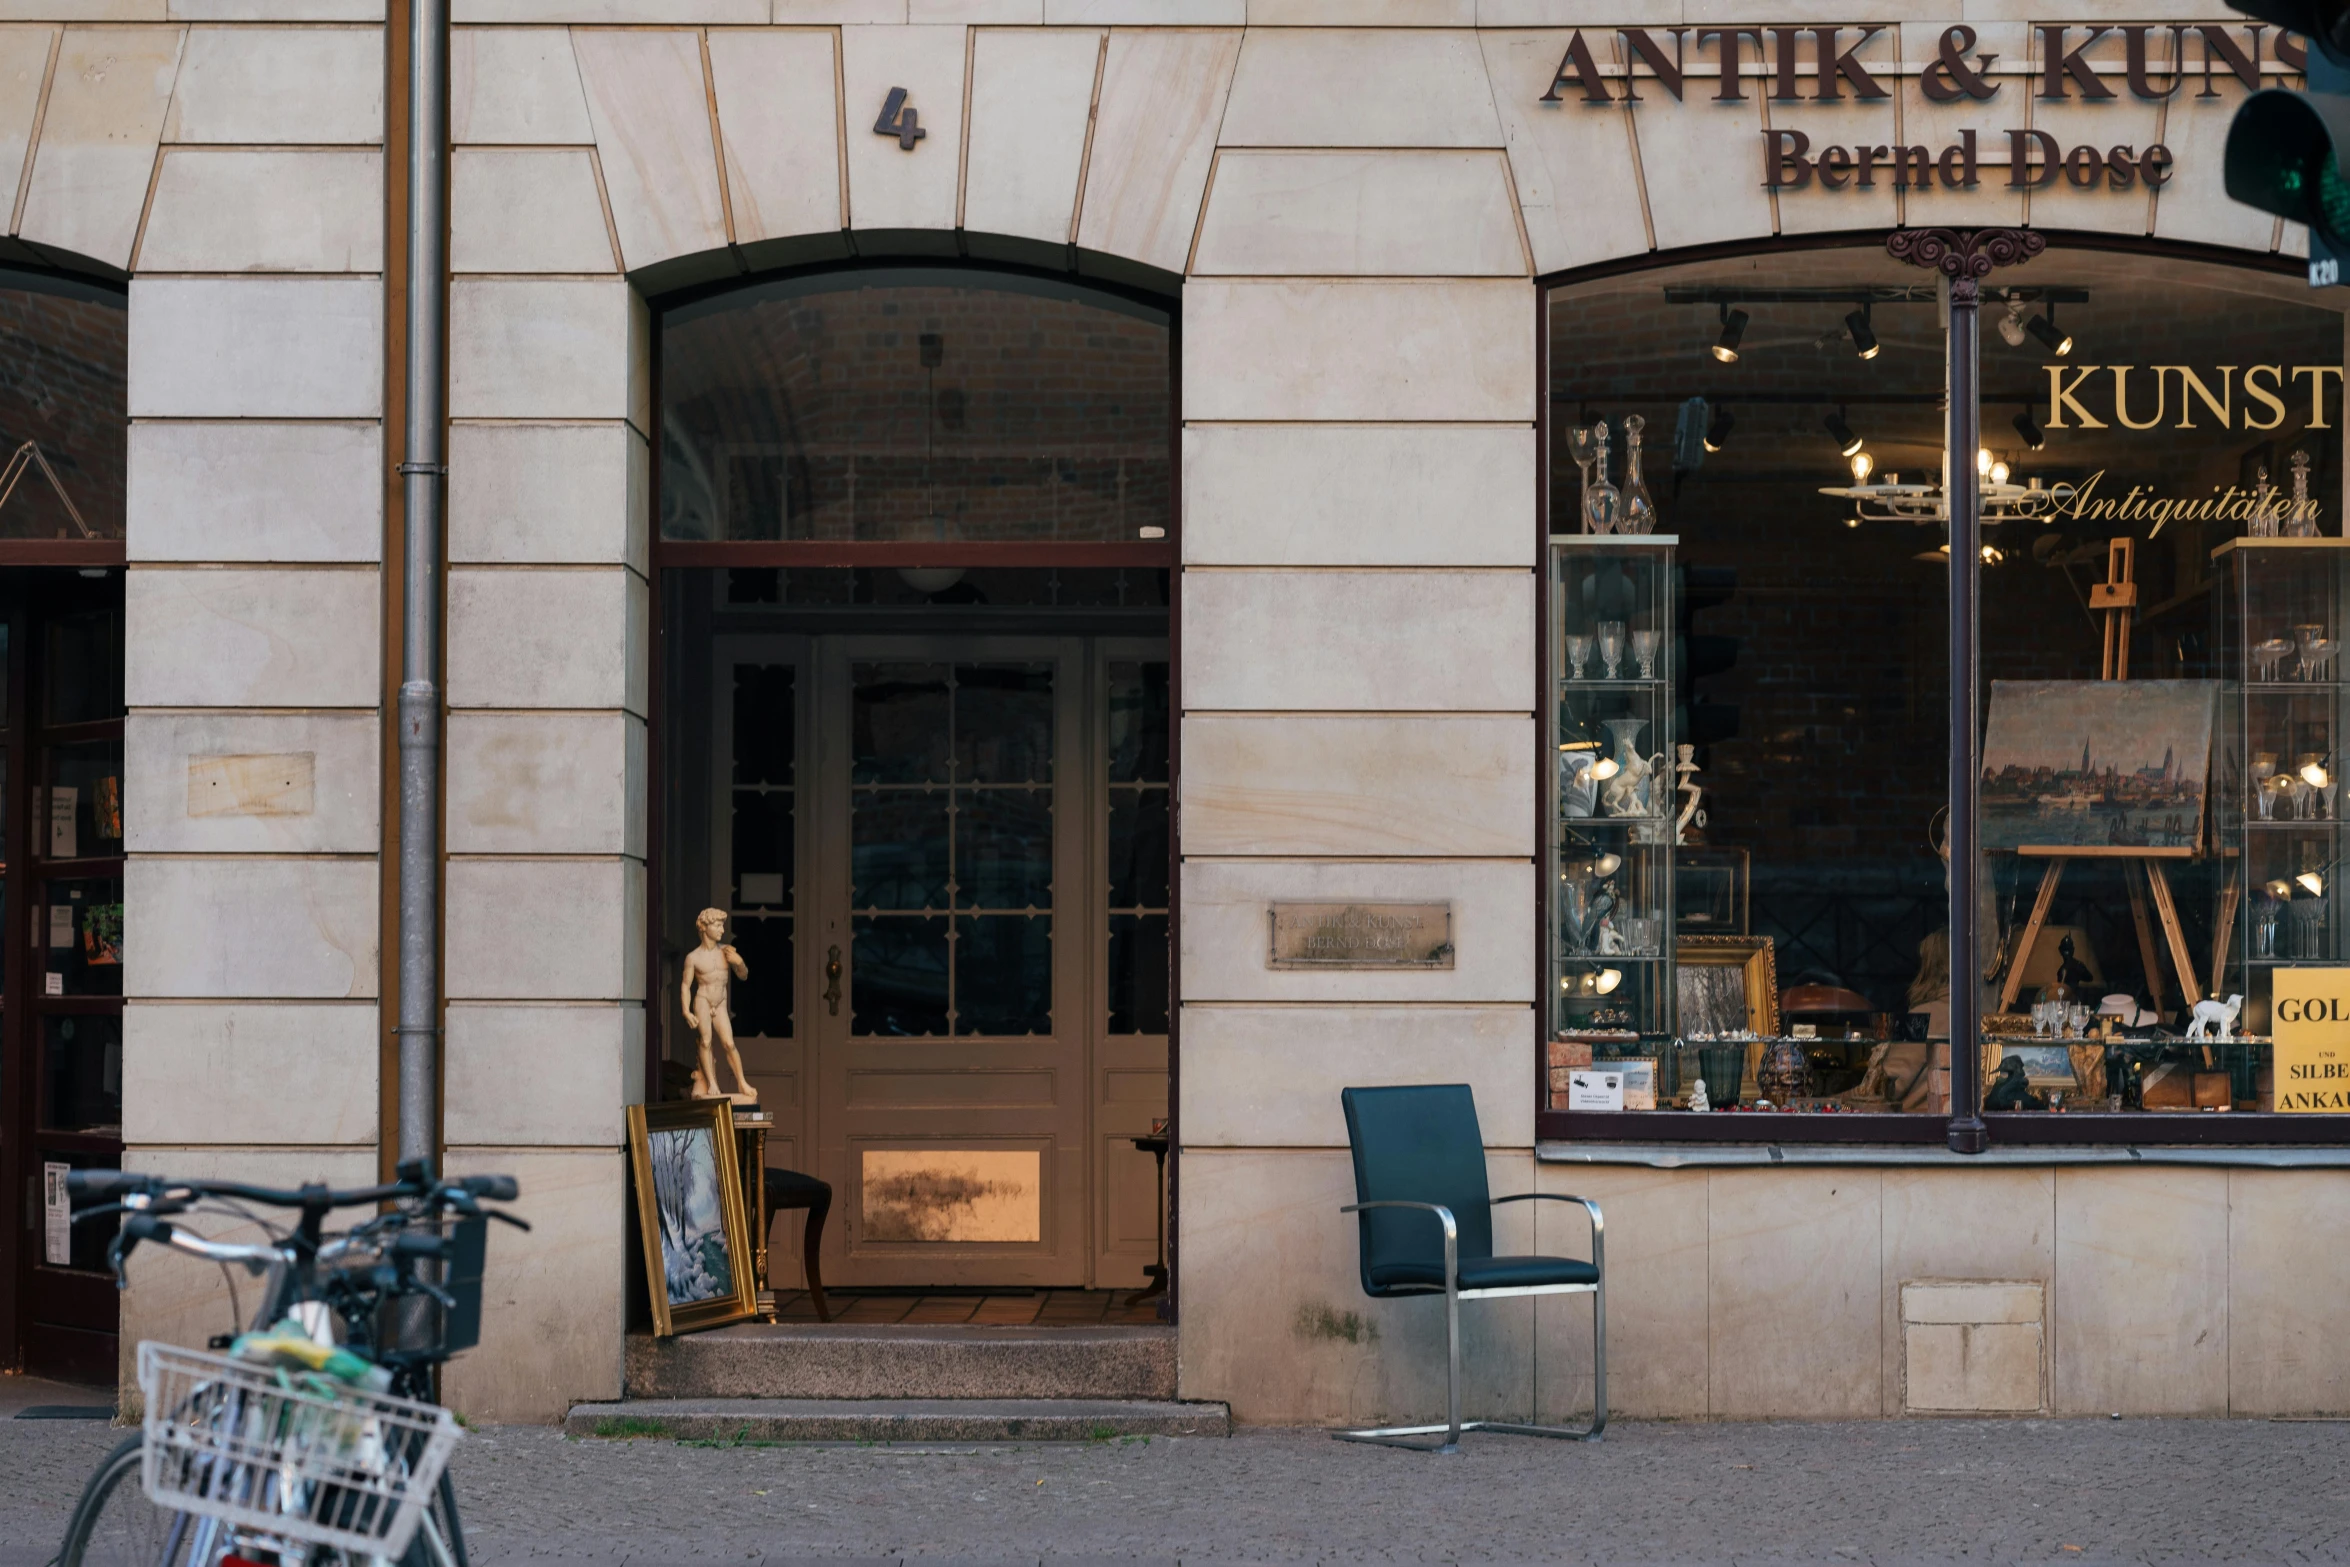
column 1747, row 476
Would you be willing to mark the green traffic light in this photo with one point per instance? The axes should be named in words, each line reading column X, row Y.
column 2284, row 156
column 2316, row 185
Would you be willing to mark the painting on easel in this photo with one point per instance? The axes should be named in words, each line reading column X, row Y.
column 2086, row 764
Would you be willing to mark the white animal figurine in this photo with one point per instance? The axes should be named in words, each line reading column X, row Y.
column 2221, row 1014
column 1697, row 1099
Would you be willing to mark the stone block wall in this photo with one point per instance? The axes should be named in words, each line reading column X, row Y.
column 237, row 174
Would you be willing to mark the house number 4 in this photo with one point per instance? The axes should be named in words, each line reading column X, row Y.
column 899, row 119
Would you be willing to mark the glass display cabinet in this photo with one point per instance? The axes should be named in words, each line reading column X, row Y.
column 1612, row 796
column 2277, row 802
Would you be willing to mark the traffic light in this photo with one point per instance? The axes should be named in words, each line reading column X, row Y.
column 2285, row 148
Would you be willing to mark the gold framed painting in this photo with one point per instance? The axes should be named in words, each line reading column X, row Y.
column 689, row 1207
column 1726, row 984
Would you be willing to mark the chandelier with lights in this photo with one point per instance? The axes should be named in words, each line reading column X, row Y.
column 1887, row 499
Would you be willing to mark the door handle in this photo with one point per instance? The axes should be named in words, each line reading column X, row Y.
column 832, row 981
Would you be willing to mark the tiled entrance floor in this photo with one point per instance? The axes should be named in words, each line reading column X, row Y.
column 1019, row 1309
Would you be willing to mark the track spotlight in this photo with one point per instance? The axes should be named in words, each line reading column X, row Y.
column 1717, row 433
column 1733, row 328
column 2011, row 325
column 2029, row 428
column 2052, row 337
column 1864, row 336
column 1846, row 442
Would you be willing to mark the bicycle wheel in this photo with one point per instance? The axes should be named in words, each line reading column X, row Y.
column 114, row 1525
column 443, row 1518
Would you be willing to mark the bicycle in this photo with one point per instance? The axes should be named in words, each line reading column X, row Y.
column 315, row 1441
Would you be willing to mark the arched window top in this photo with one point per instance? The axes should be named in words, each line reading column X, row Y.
column 64, row 348
column 915, row 405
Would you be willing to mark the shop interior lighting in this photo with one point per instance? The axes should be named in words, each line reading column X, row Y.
column 2011, row 325
column 1733, row 329
column 1864, row 336
column 2052, row 337
column 1717, row 433
column 2029, row 428
column 2312, row 883
column 2280, row 889
column 1609, row 979
column 2315, row 775
column 1840, row 432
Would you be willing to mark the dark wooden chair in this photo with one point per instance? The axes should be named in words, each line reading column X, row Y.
column 791, row 1189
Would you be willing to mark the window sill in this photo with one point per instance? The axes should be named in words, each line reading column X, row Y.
column 1691, row 1156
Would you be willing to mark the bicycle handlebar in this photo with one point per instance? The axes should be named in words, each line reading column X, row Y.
column 88, row 1186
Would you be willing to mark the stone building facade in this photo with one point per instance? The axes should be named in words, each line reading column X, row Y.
column 1352, row 212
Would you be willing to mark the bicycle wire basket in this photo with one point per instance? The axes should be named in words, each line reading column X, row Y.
column 288, row 1453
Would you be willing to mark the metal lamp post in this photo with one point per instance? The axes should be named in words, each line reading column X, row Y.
column 1965, row 259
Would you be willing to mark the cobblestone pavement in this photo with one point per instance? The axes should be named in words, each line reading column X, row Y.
column 1979, row 1493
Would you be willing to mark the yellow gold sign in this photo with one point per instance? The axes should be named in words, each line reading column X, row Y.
column 2311, row 1025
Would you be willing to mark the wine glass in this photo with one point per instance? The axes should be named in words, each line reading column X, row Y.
column 2317, row 657
column 1611, row 645
column 2267, row 655
column 1579, row 653
column 1644, row 646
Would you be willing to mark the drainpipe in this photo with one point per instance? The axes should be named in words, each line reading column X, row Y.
column 423, row 474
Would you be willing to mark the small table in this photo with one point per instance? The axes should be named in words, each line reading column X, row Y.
column 1156, row 1146
column 750, row 1152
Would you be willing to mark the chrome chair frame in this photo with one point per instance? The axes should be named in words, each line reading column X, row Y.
column 1401, row 1436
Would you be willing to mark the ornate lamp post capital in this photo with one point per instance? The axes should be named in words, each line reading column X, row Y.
column 1964, row 256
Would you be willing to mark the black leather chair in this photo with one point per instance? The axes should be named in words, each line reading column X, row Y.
column 1426, row 1221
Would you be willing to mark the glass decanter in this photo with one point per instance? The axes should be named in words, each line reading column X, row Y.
column 1639, row 513
column 1603, row 504
column 2300, row 521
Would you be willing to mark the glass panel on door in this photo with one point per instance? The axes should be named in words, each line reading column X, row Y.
column 1138, row 791
column 950, row 849
column 764, row 799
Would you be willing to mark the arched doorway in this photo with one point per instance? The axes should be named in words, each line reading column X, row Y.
column 914, row 582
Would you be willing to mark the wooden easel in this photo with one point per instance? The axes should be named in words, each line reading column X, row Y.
column 2116, row 598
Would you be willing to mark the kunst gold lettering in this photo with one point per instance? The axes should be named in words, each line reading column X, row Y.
column 2060, row 397
column 2191, row 387
column 2274, row 403
column 2317, row 391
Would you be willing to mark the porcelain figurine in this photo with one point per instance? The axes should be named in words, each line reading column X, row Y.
column 1685, row 768
column 2216, row 1014
column 1697, row 1100
column 1629, row 792
column 702, row 993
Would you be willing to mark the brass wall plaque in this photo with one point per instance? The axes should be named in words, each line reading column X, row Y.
column 1361, row 935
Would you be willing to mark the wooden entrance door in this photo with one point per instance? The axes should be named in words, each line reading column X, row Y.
column 945, row 859
column 949, row 1012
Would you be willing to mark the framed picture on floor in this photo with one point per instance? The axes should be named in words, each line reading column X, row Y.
column 689, row 1206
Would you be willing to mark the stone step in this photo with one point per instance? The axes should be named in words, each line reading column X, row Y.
column 896, row 1419
column 768, row 1360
